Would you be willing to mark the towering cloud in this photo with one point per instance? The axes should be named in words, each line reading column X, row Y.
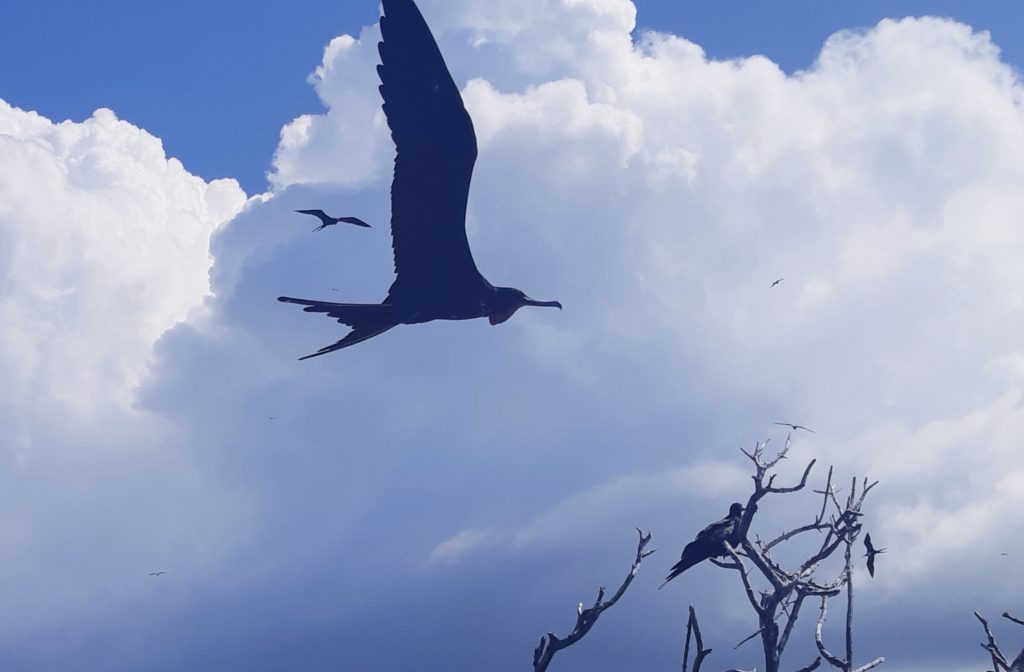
column 474, row 479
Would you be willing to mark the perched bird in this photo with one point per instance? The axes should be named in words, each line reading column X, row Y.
column 156, row 573
column 795, row 427
column 777, row 282
column 436, row 277
column 708, row 543
column 870, row 555
column 331, row 221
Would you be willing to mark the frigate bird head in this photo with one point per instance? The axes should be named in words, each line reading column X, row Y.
column 507, row 300
column 736, row 510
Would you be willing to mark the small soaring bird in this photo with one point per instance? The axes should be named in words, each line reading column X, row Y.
column 435, row 275
column 777, row 282
column 331, row 221
column 708, row 543
column 795, row 427
column 870, row 555
column 156, row 573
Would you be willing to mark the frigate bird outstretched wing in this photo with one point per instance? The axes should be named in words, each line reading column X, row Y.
column 437, row 149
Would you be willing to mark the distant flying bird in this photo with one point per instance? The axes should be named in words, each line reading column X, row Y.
column 331, row 221
column 436, row 277
column 870, row 555
column 795, row 427
column 777, row 282
column 156, row 573
column 709, row 542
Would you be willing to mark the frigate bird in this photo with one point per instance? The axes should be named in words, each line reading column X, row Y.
column 709, row 542
column 795, row 427
column 870, row 555
column 436, row 277
column 157, row 573
column 777, row 282
column 326, row 220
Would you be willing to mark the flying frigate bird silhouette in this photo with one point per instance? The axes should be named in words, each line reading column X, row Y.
column 795, row 427
column 326, row 220
column 436, row 277
column 777, row 282
column 709, row 542
column 871, row 553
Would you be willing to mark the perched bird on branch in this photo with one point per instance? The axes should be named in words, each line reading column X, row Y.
column 870, row 555
column 331, row 221
column 709, row 542
column 436, row 277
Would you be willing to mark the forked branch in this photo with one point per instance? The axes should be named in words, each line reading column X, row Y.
column 999, row 661
column 693, row 628
column 550, row 644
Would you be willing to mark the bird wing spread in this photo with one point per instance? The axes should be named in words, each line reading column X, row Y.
column 437, row 149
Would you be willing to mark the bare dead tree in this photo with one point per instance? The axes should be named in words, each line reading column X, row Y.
column 778, row 603
column 999, row 661
column 692, row 627
column 845, row 664
column 550, row 644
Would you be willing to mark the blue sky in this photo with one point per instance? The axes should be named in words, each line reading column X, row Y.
column 66, row 59
column 457, row 482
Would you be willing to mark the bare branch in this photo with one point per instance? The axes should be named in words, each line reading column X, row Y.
column 748, row 638
column 874, row 663
column 686, row 645
column 693, row 626
column 786, row 536
column 825, row 495
column 865, row 489
column 746, row 580
column 799, row 486
column 550, row 644
column 1009, row 617
column 791, row 622
column 812, row 666
column 998, row 659
column 833, row 660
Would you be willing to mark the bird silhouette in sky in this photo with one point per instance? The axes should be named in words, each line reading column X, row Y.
column 157, row 573
column 436, row 277
column 709, row 542
column 795, row 427
column 327, row 220
column 777, row 282
column 870, row 555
